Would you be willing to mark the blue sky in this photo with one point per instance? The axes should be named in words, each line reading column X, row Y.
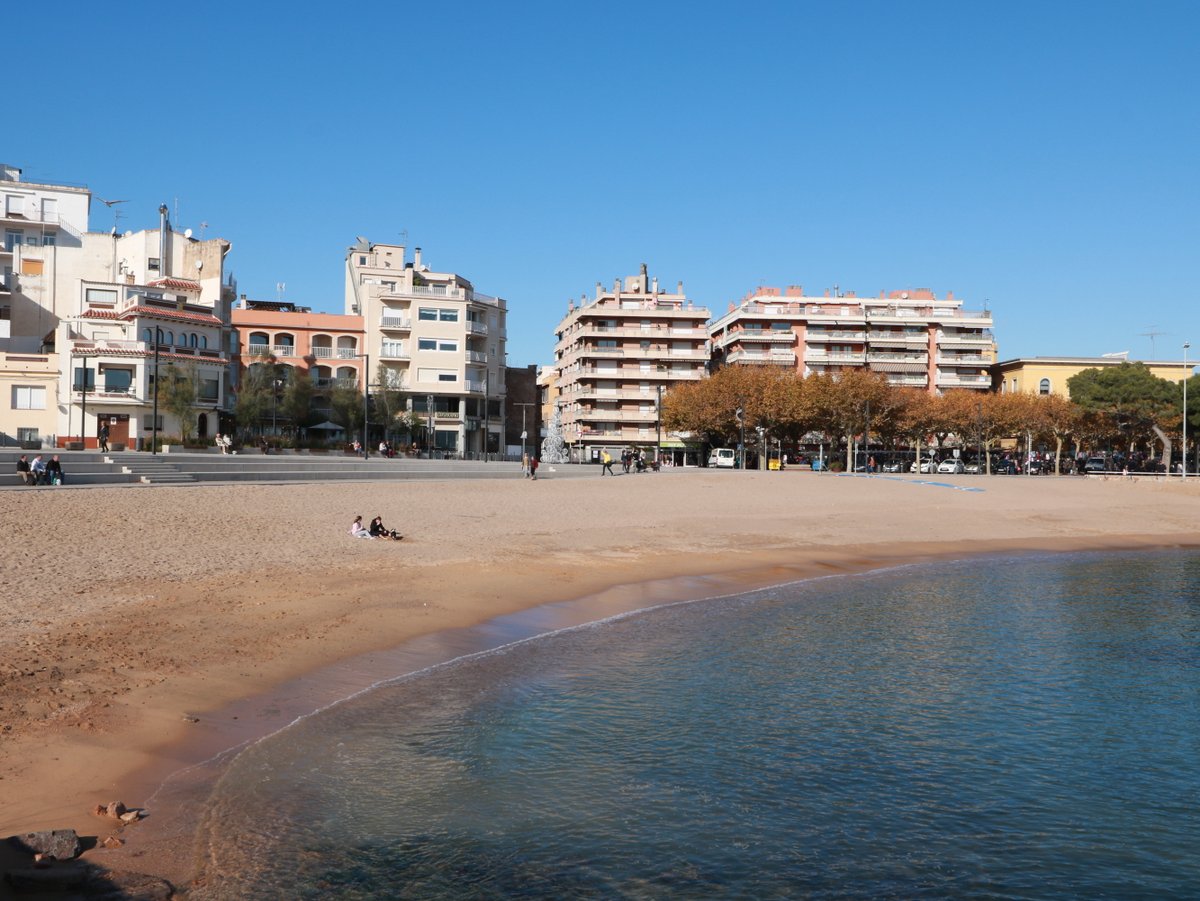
column 1039, row 157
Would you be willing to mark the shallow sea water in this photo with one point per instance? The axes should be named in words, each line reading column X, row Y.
column 1000, row 728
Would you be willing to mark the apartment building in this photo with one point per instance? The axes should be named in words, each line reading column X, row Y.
column 913, row 337
column 39, row 222
column 326, row 348
column 432, row 336
column 165, row 315
column 615, row 356
column 96, row 309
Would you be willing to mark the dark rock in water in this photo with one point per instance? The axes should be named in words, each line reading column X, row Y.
column 61, row 844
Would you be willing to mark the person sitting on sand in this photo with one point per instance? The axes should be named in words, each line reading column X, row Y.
column 358, row 530
column 379, row 530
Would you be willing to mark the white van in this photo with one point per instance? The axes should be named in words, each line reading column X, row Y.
column 723, row 456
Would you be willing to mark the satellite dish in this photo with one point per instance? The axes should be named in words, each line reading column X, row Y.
column 114, row 231
column 127, row 234
column 199, row 265
column 187, row 232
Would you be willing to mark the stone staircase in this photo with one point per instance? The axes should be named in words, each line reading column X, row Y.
column 154, row 471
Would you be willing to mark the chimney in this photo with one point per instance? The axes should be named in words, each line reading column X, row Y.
column 416, row 257
column 654, row 285
column 163, row 269
column 679, row 288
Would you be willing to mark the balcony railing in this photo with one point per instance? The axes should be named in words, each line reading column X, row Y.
column 474, row 387
column 476, row 356
column 836, row 358
column 814, row 334
column 283, row 350
column 899, row 358
column 901, row 337
column 964, row 360
column 772, row 359
column 972, row 381
column 393, row 350
column 477, row 328
column 395, row 322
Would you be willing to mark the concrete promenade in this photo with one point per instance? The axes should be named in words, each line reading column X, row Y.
column 93, row 468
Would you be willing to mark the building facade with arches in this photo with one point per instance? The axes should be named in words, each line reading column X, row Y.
column 326, row 348
column 1049, row 375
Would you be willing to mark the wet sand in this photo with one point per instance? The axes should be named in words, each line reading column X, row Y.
column 142, row 631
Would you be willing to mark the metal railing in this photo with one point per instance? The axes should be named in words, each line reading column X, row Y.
column 395, row 322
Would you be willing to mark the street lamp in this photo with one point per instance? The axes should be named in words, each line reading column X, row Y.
column 524, row 433
column 366, row 397
column 1186, row 345
column 658, row 428
column 154, row 415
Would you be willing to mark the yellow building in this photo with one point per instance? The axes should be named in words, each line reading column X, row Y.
column 29, row 409
column 1049, row 375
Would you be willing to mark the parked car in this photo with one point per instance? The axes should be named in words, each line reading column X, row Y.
column 1095, row 464
column 927, row 466
column 973, row 467
column 893, row 466
column 1004, row 467
column 951, row 465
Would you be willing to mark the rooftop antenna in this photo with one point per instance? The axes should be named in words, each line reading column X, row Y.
column 203, row 226
column 404, row 236
column 1152, row 334
column 280, row 288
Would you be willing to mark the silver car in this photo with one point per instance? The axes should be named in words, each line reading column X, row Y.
column 953, row 465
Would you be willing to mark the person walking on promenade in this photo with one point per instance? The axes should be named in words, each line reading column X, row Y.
column 607, row 460
column 23, row 472
column 533, row 465
column 102, row 435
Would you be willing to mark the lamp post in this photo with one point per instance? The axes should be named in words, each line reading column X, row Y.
column 524, row 433
column 154, row 415
column 83, row 414
column 366, row 357
column 429, row 412
column 1186, row 373
column 658, row 428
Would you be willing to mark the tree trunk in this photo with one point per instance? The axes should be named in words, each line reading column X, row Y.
column 1166, row 443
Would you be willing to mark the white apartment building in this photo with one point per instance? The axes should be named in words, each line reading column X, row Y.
column 616, row 355
column 434, row 337
column 913, row 337
column 84, row 314
column 41, row 223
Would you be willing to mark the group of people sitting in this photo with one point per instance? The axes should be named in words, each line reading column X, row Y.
column 40, row 471
column 224, row 442
column 376, row 530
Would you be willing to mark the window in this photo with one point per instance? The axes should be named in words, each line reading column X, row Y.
column 101, row 297
column 210, row 389
column 448, row 345
column 781, row 326
column 27, row 434
column 426, row 344
column 12, row 237
column 148, row 423
column 447, row 377
column 48, row 239
column 428, row 314
column 117, row 381
column 606, row 342
column 148, row 335
column 448, row 315
column 203, row 342
column 1044, row 386
column 31, row 267
column 28, row 397
column 362, row 261
column 152, row 264
column 85, row 376
column 192, row 339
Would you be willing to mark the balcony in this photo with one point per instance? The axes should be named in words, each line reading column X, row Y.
column 953, row 380
column 393, row 350
column 602, row 415
column 975, row 360
column 838, row 335
column 874, row 357
column 965, row 338
column 477, row 328
column 848, row 358
column 395, row 323
column 283, row 350
column 474, row 387
column 764, row 336
column 908, row 381
column 775, row 358
column 886, row 337
column 476, row 356
column 102, row 394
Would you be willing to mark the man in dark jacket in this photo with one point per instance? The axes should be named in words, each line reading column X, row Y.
column 23, row 472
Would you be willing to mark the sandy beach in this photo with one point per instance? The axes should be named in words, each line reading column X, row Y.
column 129, row 616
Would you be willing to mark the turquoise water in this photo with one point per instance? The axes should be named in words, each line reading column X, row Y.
column 1016, row 728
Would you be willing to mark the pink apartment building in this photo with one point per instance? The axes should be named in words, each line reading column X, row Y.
column 913, row 337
